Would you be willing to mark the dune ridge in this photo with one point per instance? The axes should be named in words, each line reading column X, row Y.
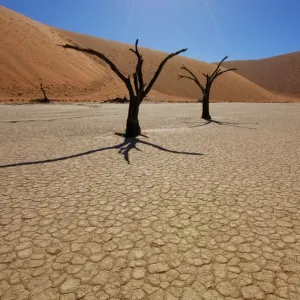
column 280, row 74
column 30, row 54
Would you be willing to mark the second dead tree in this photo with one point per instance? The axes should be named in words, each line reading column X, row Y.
column 210, row 78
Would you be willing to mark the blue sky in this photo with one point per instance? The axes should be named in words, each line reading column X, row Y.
column 211, row 29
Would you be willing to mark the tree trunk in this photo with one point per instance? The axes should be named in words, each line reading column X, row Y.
column 133, row 128
column 205, row 107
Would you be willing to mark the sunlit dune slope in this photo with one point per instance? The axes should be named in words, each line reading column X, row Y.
column 280, row 74
column 29, row 55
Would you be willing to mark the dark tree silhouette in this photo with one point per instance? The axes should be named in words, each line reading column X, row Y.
column 209, row 81
column 45, row 100
column 135, row 84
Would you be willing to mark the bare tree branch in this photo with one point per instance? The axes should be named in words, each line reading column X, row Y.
column 159, row 69
column 139, row 71
column 135, row 81
column 183, row 67
column 187, row 77
column 193, row 77
column 140, row 77
column 136, row 51
column 222, row 72
column 217, row 68
column 227, row 70
column 104, row 58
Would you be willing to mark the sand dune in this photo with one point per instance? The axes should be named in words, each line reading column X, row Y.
column 280, row 74
column 30, row 54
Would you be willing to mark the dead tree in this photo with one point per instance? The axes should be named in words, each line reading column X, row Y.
column 45, row 100
column 137, row 89
column 210, row 78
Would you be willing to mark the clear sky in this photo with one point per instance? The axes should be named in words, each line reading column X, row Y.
column 211, row 29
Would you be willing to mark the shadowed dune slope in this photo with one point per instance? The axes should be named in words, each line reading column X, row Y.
column 280, row 74
column 29, row 54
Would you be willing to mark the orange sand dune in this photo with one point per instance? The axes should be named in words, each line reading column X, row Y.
column 29, row 54
column 280, row 74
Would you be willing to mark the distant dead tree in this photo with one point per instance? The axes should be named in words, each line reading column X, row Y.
column 45, row 100
column 135, row 84
column 209, row 81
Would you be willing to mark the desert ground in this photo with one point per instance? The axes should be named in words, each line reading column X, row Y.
column 188, row 211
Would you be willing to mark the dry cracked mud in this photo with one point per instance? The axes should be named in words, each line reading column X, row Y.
column 192, row 211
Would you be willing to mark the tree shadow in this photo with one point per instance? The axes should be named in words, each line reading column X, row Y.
column 47, row 120
column 40, row 101
column 124, row 148
column 233, row 124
